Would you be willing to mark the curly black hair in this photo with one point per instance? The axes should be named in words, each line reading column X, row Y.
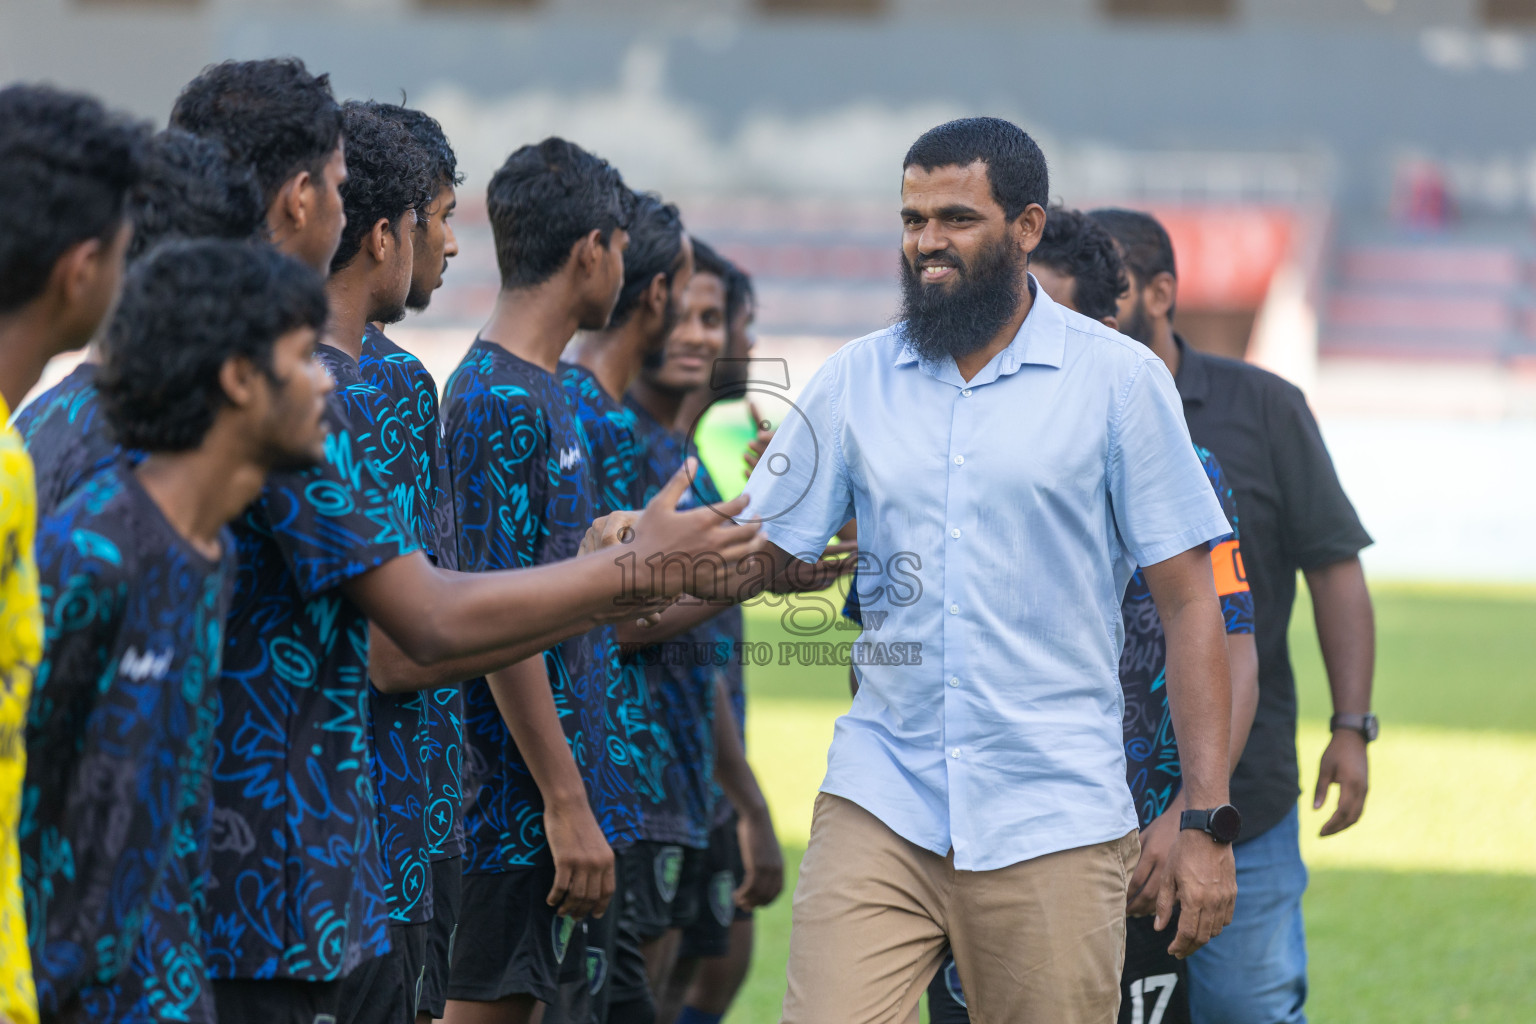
column 655, row 247
column 442, row 164
column 1015, row 166
column 191, row 189
column 543, row 200
column 272, row 114
column 386, row 176
column 738, row 292
column 186, row 309
column 1077, row 246
column 68, row 165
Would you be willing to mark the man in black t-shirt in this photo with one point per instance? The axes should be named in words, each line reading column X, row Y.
column 1295, row 516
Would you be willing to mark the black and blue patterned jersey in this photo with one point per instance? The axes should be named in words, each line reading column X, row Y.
column 68, row 437
column 679, row 673
column 117, row 798
column 397, row 721
column 523, row 496
column 608, row 428
column 1151, row 749
column 428, row 510
column 727, row 627
column 296, row 860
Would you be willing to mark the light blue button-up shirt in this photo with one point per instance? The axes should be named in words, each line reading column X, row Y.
column 999, row 521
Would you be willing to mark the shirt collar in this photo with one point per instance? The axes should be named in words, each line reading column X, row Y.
column 1041, row 341
column 1193, row 383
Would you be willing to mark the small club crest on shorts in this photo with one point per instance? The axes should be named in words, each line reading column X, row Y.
column 669, row 872
column 952, row 982
column 721, row 888
column 597, row 969
column 560, row 936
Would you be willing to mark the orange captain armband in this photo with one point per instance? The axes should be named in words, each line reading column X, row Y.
column 1227, row 567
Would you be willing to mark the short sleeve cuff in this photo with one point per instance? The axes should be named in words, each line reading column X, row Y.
column 794, row 542
column 1338, row 551
column 1211, row 529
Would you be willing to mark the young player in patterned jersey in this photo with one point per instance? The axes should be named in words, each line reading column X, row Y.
column 208, row 374
column 548, row 791
column 682, row 671
column 657, row 265
column 413, row 394
column 189, row 189
column 68, row 165
column 1078, row 265
column 716, row 949
column 387, row 184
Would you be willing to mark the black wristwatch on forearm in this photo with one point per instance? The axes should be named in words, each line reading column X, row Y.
column 1220, row 823
column 1366, row 725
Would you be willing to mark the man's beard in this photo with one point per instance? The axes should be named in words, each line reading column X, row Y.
column 1138, row 326
column 391, row 314
column 957, row 319
column 417, row 301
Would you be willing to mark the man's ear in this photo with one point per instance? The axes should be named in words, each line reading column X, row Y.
column 291, row 206
column 1029, row 226
column 588, row 252
column 1160, row 294
column 77, row 270
column 1113, row 323
column 657, row 294
column 380, row 239
column 241, row 381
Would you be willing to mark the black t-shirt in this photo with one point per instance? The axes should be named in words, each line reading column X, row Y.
column 1295, row 515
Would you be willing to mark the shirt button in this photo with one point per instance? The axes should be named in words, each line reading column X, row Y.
column 959, row 460
column 954, row 680
column 955, row 533
column 966, row 392
column 955, row 752
column 954, row 609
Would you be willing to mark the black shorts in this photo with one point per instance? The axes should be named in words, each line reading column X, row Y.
column 383, row 990
column 447, row 885
column 516, row 943
column 946, row 1000
column 603, row 956
column 661, row 887
column 710, row 933
column 1155, row 984
column 276, row 1001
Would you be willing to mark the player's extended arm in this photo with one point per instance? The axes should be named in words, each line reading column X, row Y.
column 1346, row 631
column 435, row 615
column 760, row 852
column 1202, row 875
column 584, row 872
column 391, row 670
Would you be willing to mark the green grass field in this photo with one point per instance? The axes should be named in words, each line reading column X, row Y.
column 1424, row 912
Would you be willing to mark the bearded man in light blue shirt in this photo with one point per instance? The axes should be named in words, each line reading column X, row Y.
column 1018, row 461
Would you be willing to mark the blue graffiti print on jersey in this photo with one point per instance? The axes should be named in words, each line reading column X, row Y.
column 728, row 626
column 117, row 797
column 413, row 394
column 68, row 437
column 608, row 427
column 681, row 673
column 299, row 879
column 523, row 496
column 397, row 721
column 1151, row 750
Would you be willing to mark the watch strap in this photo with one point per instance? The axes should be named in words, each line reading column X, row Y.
column 1364, row 724
column 1197, row 820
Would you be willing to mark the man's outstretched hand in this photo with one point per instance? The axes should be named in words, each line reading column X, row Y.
column 1202, row 880
column 706, row 542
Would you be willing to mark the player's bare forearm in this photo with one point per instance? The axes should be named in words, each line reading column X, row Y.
column 679, row 617
column 1346, row 631
column 1199, row 677
column 1243, row 658
column 391, row 670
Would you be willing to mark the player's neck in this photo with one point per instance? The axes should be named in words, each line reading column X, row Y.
column 201, row 490
column 613, row 357
column 1164, row 347
column 25, row 348
column 350, row 307
column 693, row 405
column 534, row 324
column 663, row 404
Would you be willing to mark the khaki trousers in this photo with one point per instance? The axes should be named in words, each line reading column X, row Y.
column 1040, row 942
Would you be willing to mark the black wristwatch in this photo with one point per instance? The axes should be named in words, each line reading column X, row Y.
column 1220, row 823
column 1366, row 725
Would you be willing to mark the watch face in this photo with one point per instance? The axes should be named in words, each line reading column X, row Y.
column 1226, row 823
column 1372, row 727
